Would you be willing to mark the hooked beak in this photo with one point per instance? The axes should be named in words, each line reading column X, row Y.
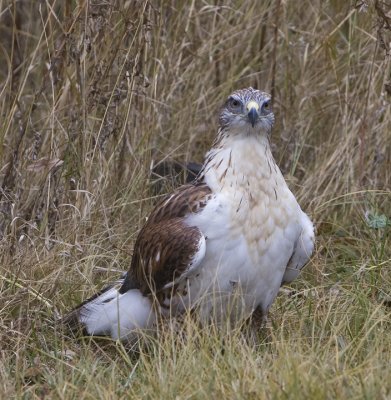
column 252, row 108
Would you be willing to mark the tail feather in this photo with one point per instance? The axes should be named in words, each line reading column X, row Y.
column 110, row 313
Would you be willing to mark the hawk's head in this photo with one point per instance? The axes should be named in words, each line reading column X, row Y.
column 247, row 111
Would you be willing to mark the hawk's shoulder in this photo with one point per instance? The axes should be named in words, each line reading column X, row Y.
column 167, row 248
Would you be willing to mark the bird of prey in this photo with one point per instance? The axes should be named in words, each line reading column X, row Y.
column 222, row 245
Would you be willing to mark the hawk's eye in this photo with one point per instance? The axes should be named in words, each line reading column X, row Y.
column 234, row 103
column 266, row 105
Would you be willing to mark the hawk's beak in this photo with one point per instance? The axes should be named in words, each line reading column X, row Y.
column 252, row 108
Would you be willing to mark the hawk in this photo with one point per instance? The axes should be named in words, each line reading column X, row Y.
column 222, row 245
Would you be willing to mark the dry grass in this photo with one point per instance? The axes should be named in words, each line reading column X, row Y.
column 91, row 92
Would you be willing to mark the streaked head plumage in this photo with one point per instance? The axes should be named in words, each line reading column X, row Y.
column 247, row 111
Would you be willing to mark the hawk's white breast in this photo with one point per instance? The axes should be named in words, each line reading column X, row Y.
column 252, row 225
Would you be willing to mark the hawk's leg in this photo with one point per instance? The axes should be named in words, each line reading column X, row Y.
column 259, row 317
column 257, row 327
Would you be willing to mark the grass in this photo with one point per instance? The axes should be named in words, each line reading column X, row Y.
column 92, row 92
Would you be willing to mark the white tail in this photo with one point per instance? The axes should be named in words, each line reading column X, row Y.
column 121, row 316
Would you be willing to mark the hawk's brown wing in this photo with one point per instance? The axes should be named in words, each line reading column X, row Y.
column 166, row 248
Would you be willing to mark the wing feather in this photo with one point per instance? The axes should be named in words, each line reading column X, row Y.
column 167, row 249
column 302, row 251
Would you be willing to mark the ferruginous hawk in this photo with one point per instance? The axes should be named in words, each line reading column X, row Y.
column 236, row 232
